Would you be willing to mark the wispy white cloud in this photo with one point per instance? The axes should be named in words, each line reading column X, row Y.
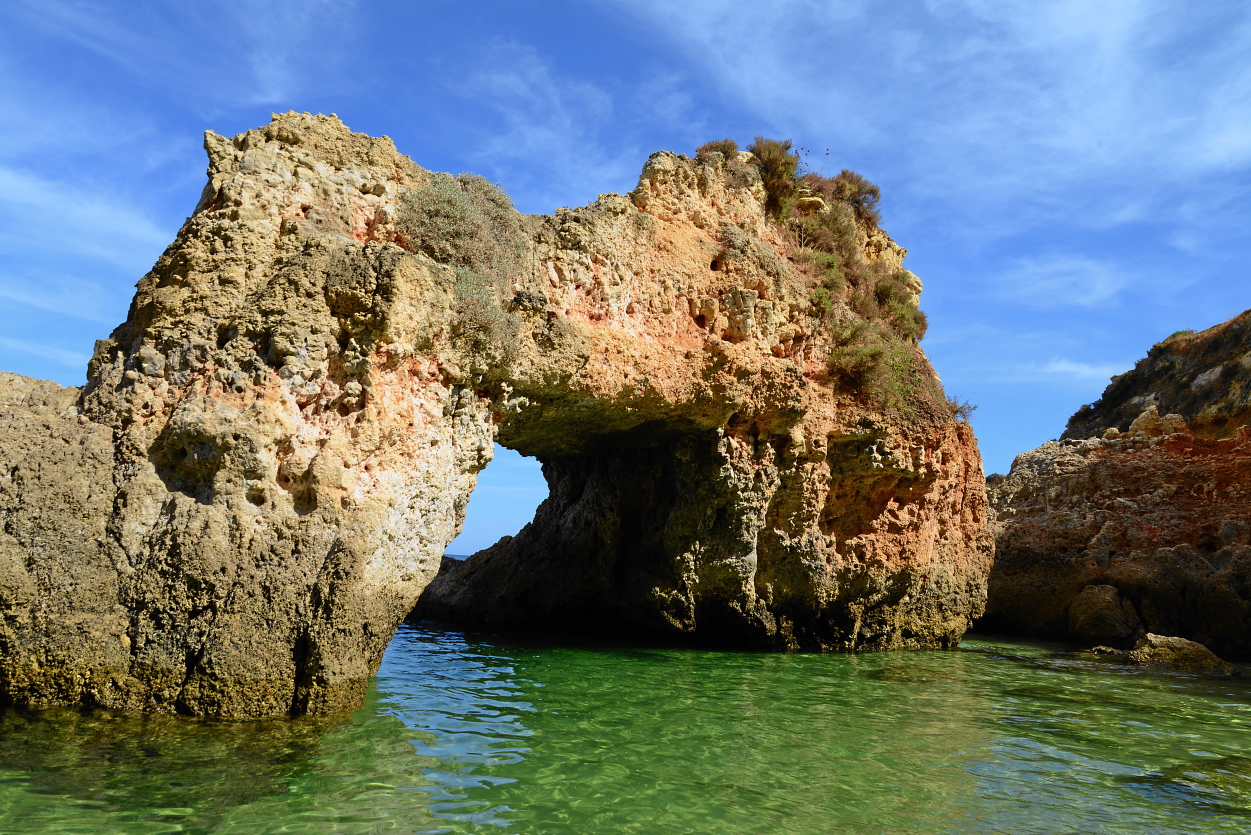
column 40, row 213
column 72, row 359
column 63, row 295
column 1056, row 281
column 1012, row 371
column 227, row 51
column 548, row 144
column 1076, row 370
column 1062, row 111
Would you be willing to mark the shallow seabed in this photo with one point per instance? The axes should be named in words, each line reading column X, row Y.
column 463, row 734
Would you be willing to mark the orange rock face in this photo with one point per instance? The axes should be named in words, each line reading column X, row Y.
column 1160, row 516
column 272, row 452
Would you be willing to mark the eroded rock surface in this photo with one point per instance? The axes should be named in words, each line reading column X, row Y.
column 272, row 452
column 1164, row 652
column 1204, row 377
column 1145, row 527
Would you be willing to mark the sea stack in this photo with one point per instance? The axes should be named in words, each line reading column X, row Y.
column 258, row 480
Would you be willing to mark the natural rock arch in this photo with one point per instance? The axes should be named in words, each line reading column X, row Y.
column 270, row 455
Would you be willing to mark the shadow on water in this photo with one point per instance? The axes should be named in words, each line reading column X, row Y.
column 147, row 764
column 66, row 770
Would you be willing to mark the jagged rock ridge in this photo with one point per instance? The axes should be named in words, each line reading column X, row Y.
column 1144, row 526
column 270, row 455
column 1205, row 377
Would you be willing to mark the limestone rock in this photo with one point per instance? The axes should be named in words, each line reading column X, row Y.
column 272, row 452
column 808, row 203
column 1204, row 377
column 1160, row 652
column 1149, row 424
column 1147, row 508
column 1099, row 614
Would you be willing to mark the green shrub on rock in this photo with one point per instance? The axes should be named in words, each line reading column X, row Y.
column 469, row 224
column 464, row 221
column 856, row 354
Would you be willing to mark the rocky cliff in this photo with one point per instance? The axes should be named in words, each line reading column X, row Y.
column 273, row 450
column 1205, row 377
column 1145, row 525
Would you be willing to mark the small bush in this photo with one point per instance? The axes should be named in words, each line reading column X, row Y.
column 726, row 147
column 856, row 355
column 887, row 289
column 901, row 382
column 907, row 321
column 778, row 165
column 482, row 324
column 864, row 304
column 464, row 221
column 826, row 267
column 860, row 194
column 960, row 409
column 1176, row 334
column 891, row 302
column 737, row 174
column 469, row 224
column 833, row 231
column 821, row 301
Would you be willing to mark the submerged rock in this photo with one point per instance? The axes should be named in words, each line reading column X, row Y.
column 272, row 452
column 1145, row 525
column 1161, row 652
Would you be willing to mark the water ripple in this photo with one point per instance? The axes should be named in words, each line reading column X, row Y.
column 470, row 735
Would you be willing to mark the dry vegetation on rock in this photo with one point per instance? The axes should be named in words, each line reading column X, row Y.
column 867, row 303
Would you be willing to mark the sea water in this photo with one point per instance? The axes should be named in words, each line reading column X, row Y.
column 472, row 734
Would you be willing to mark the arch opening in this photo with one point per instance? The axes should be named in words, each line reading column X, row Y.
column 509, row 491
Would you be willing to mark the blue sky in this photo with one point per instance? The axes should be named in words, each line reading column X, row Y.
column 1070, row 178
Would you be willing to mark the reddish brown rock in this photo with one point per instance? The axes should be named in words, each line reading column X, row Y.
column 1143, row 506
column 1155, row 514
column 272, row 452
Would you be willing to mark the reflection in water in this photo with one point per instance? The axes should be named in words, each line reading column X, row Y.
column 470, row 735
column 64, row 770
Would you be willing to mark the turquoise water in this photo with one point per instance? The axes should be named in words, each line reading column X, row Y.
column 464, row 734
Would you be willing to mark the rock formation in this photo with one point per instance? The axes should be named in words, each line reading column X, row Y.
column 1204, row 377
column 271, row 453
column 1162, row 652
column 1146, row 525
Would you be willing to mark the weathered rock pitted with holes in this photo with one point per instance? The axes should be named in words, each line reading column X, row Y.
column 1143, row 530
column 270, row 455
column 1138, row 522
